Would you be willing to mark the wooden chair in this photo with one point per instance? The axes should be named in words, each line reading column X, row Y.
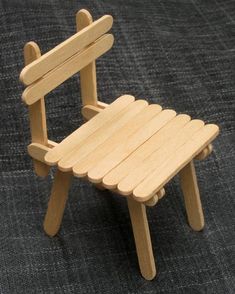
column 129, row 146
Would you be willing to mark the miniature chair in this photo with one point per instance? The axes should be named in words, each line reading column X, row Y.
column 129, row 146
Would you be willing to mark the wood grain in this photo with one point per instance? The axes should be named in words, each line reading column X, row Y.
column 82, row 167
column 98, row 121
column 125, row 148
column 65, row 50
column 88, row 82
column 101, row 135
column 67, row 69
column 57, row 202
column 157, row 158
column 160, row 176
column 192, row 199
column 112, row 178
column 37, row 112
column 142, row 238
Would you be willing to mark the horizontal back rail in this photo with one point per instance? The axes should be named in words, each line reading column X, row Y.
column 65, row 50
column 62, row 72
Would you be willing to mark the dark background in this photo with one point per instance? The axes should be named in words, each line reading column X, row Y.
column 177, row 53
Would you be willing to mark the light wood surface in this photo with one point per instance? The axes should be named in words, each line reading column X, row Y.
column 65, row 50
column 81, row 168
column 152, row 201
column 67, row 69
column 88, row 82
column 205, row 153
column 37, row 113
column 38, row 151
column 101, row 135
column 142, row 239
column 192, row 199
column 129, row 145
column 88, row 111
column 160, row 176
column 98, row 121
column 157, row 158
column 57, row 202
column 135, row 159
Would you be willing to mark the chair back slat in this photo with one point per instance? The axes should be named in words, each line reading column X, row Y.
column 68, row 68
column 58, row 55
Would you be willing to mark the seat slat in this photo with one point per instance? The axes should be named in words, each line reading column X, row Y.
column 65, row 50
column 64, row 71
column 130, row 144
column 98, row 121
column 111, row 180
column 83, row 166
column 163, row 173
column 137, row 175
column 101, row 135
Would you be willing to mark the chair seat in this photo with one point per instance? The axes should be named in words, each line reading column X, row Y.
column 132, row 147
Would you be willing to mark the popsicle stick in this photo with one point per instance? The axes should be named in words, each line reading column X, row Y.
column 88, row 73
column 38, row 151
column 57, row 202
column 67, row 69
column 152, row 201
column 65, row 50
column 112, row 179
column 101, row 135
column 157, row 179
column 142, row 238
column 137, row 175
column 192, row 199
column 70, row 142
column 126, row 148
column 81, row 167
column 37, row 113
column 88, row 111
column 204, row 153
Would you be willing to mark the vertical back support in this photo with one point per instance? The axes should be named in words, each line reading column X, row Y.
column 87, row 74
column 37, row 115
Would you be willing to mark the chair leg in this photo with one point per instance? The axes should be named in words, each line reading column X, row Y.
column 192, row 199
column 142, row 238
column 57, row 202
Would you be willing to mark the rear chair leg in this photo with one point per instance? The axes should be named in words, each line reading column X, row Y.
column 142, row 238
column 192, row 199
column 57, row 202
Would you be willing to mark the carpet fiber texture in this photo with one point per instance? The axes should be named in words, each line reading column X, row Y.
column 179, row 54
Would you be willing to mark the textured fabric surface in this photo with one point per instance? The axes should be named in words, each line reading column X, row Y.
column 179, row 54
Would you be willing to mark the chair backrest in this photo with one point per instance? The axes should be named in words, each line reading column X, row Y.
column 57, row 65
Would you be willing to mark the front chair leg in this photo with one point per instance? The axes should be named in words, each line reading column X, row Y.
column 192, row 199
column 142, row 238
column 57, row 202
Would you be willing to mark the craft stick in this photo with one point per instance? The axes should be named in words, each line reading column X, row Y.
column 101, row 135
column 175, row 163
column 67, row 69
column 137, row 175
column 91, row 160
column 70, row 142
column 65, row 50
column 37, row 113
column 129, row 145
column 112, row 179
column 88, row 83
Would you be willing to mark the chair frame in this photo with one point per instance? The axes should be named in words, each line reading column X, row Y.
column 62, row 181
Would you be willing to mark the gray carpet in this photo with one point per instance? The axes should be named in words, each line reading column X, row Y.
column 179, row 54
